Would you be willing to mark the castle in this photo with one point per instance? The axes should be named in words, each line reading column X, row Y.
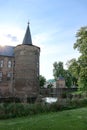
column 19, row 69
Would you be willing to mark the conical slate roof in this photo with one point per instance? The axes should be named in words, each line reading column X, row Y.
column 27, row 38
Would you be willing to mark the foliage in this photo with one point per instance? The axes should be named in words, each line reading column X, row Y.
column 60, row 71
column 11, row 110
column 81, row 42
column 78, row 68
column 81, row 45
column 42, row 80
column 74, row 69
column 50, row 85
column 65, row 120
column 68, row 78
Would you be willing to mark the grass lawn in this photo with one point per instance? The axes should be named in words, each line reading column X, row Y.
column 65, row 120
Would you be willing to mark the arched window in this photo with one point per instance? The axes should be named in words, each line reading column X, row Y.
column 9, row 64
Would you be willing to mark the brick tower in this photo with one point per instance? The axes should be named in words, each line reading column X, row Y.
column 26, row 68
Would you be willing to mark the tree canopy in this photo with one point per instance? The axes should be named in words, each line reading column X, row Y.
column 58, row 70
column 81, row 42
column 79, row 68
column 42, row 81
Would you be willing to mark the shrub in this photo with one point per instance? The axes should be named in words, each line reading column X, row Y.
column 11, row 110
column 64, row 95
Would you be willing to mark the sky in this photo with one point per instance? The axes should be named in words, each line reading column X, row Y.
column 53, row 25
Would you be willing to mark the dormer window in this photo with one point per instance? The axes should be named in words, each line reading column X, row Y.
column 1, row 63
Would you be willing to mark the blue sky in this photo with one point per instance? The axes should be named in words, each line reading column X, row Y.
column 53, row 25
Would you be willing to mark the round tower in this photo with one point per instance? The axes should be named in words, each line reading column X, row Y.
column 27, row 68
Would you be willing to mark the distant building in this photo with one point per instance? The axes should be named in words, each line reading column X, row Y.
column 60, row 82
column 19, row 69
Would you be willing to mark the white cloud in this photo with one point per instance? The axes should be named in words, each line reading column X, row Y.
column 11, row 36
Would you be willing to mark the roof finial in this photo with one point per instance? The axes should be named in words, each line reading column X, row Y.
column 28, row 23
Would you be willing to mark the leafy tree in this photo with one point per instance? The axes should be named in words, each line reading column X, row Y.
column 74, row 69
column 58, row 70
column 42, row 81
column 81, row 42
column 50, row 85
column 68, row 78
column 81, row 46
column 83, row 72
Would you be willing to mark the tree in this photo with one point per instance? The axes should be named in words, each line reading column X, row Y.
column 58, row 70
column 83, row 72
column 74, row 69
column 81, row 46
column 68, row 78
column 50, row 85
column 81, row 42
column 42, row 81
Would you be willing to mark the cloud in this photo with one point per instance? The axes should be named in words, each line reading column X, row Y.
column 13, row 38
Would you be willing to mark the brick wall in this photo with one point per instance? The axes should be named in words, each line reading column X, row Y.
column 26, row 70
column 6, row 80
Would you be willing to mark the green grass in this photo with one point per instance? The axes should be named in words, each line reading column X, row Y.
column 75, row 119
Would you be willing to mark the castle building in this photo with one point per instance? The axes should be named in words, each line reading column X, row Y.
column 19, row 69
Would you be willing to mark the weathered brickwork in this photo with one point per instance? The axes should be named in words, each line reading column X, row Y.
column 60, row 83
column 26, row 70
column 6, row 75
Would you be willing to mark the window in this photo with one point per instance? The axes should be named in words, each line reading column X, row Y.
column 9, row 64
column 0, row 76
column 37, row 65
column 9, row 75
column 37, row 69
column 1, row 63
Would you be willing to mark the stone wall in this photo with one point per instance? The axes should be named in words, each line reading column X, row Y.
column 60, row 83
column 6, row 80
column 56, row 92
column 26, row 71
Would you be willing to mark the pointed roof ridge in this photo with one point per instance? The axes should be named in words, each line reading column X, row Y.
column 27, row 38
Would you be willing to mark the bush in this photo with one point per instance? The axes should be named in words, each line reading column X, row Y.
column 11, row 110
column 64, row 95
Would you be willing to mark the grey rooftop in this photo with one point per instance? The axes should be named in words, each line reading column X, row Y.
column 7, row 50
